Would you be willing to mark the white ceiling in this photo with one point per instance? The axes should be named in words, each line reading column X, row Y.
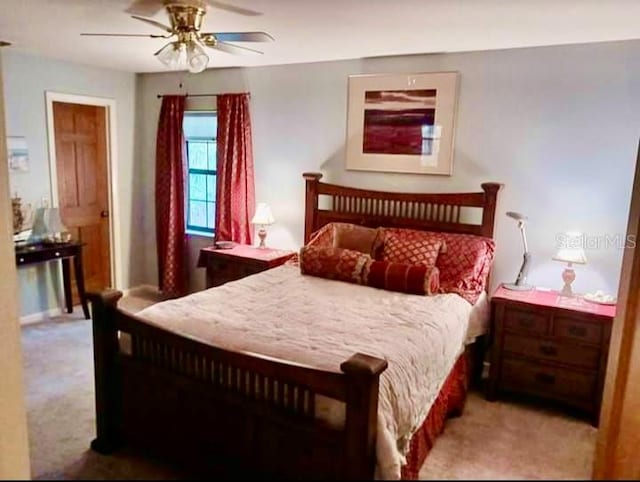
column 320, row 30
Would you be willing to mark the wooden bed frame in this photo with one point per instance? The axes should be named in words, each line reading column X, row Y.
column 199, row 404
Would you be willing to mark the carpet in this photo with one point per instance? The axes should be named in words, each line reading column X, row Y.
column 491, row 440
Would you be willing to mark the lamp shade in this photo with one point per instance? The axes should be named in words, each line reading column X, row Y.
column 197, row 59
column 171, row 55
column 263, row 215
column 184, row 55
column 570, row 250
column 46, row 224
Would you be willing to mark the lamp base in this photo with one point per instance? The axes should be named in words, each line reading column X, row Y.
column 568, row 276
column 262, row 234
column 515, row 287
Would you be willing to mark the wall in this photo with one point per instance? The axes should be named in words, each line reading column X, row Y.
column 27, row 78
column 557, row 125
column 14, row 446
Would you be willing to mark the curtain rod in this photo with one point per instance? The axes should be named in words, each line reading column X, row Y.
column 160, row 96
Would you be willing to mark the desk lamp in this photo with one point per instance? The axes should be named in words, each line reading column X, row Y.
column 520, row 283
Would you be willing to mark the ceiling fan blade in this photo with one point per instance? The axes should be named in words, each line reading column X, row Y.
column 234, row 49
column 146, row 8
column 233, row 8
column 242, row 36
column 154, row 23
column 123, row 35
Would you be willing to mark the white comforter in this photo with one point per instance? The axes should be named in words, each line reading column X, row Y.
column 320, row 322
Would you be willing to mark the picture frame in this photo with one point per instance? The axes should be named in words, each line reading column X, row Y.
column 402, row 122
column 18, row 154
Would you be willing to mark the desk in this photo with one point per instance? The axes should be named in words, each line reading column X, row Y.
column 65, row 252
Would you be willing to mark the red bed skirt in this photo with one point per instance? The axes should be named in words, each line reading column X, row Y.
column 450, row 401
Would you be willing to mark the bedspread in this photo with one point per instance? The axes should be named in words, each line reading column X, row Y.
column 320, row 322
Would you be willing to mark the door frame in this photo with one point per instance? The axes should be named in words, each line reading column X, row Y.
column 112, row 171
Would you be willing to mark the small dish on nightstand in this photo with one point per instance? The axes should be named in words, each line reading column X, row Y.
column 600, row 297
column 224, row 244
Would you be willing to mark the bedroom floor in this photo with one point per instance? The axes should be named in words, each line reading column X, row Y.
column 496, row 440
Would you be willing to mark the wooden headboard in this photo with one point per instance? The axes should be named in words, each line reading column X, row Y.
column 432, row 212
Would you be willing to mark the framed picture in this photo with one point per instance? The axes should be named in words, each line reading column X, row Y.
column 18, row 154
column 402, row 122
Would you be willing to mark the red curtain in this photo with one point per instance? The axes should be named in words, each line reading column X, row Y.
column 170, row 179
column 235, row 196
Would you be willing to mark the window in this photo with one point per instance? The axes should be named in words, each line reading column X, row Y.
column 200, row 130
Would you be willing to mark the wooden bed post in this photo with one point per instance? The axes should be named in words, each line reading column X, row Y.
column 107, row 383
column 311, row 203
column 363, row 375
column 489, row 211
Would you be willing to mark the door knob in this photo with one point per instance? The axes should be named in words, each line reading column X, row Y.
column 104, row 214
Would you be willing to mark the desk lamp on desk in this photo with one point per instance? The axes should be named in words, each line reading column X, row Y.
column 520, row 283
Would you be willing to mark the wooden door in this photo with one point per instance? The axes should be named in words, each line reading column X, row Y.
column 619, row 435
column 81, row 163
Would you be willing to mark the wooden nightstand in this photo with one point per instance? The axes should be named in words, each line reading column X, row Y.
column 225, row 265
column 550, row 346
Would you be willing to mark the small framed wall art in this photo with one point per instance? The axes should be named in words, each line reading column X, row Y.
column 402, row 122
column 18, row 154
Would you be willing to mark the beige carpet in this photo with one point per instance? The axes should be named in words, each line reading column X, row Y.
column 490, row 441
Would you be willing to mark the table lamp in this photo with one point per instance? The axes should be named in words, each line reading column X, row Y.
column 570, row 252
column 520, row 283
column 262, row 218
column 47, row 227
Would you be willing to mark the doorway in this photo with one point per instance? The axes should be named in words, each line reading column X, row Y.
column 81, row 155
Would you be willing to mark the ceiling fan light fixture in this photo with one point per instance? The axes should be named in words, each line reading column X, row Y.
column 197, row 59
column 171, row 54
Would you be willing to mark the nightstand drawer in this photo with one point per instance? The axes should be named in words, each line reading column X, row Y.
column 548, row 381
column 582, row 356
column 239, row 261
column 224, row 270
column 572, row 329
column 521, row 321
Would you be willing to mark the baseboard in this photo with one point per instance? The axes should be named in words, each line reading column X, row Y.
column 128, row 291
column 54, row 312
column 41, row 316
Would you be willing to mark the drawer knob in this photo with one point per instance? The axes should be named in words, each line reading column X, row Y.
column 545, row 378
column 548, row 350
column 21, row 260
column 57, row 253
column 576, row 330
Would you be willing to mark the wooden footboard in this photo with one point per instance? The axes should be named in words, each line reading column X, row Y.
column 203, row 405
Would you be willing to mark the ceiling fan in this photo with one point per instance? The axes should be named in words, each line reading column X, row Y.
column 186, row 17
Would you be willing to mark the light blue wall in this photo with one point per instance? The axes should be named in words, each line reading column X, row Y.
column 26, row 79
column 557, row 125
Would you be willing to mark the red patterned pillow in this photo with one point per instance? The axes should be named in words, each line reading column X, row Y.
column 356, row 267
column 354, row 236
column 406, row 278
column 412, row 247
column 333, row 263
column 345, row 236
column 322, row 237
column 465, row 265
